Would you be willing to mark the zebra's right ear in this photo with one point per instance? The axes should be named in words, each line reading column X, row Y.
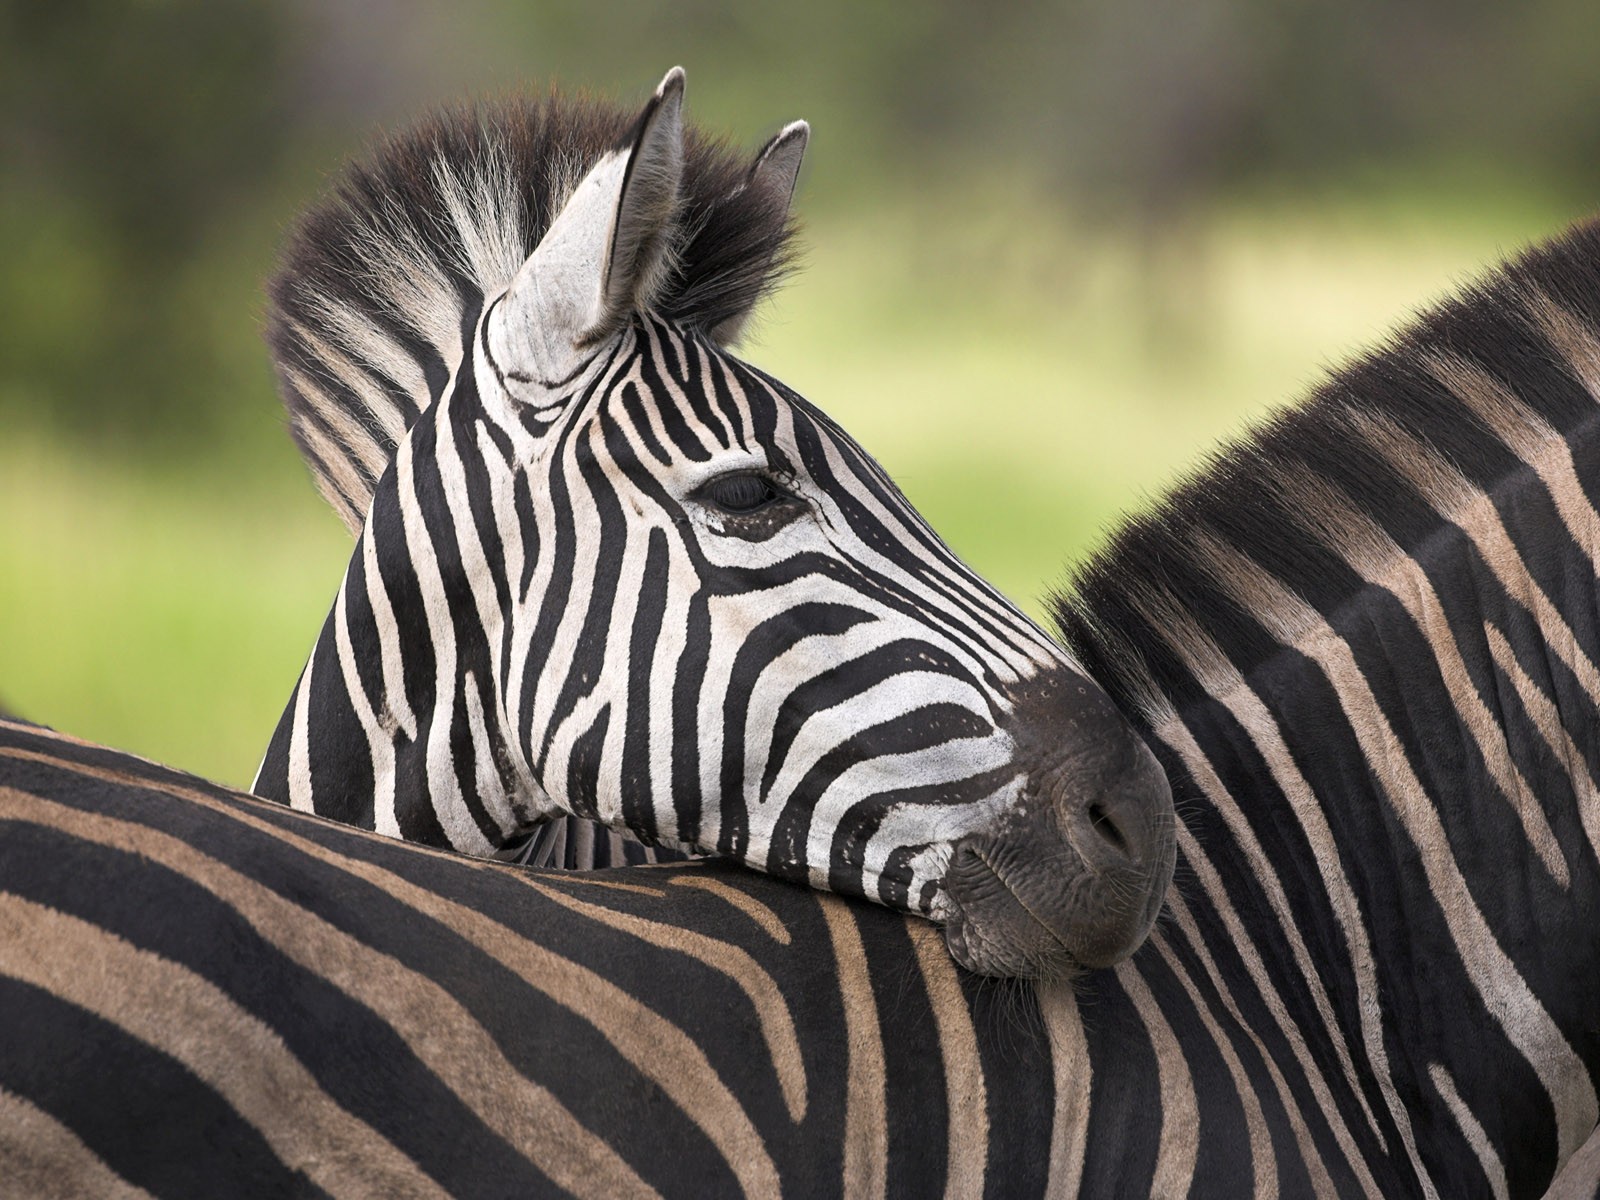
column 602, row 259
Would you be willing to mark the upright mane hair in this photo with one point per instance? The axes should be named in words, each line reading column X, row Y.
column 1464, row 407
column 382, row 282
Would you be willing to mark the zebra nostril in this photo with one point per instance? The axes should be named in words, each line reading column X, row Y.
column 1104, row 824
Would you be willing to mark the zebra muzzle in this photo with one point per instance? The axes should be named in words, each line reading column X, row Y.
column 1074, row 874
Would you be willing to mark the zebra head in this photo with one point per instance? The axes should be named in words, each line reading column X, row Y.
column 616, row 573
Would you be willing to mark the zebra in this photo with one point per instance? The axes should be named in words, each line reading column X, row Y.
column 1363, row 645
column 606, row 570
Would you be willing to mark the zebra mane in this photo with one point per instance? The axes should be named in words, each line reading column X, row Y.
column 382, row 282
column 1460, row 410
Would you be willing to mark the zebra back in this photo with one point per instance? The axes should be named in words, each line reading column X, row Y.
column 212, row 994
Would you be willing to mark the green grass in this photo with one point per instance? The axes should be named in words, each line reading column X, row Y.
column 1009, row 374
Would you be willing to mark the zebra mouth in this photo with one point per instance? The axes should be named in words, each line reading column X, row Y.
column 1045, row 923
column 1062, row 885
column 991, row 931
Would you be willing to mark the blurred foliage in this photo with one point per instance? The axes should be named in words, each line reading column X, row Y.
column 150, row 151
column 131, row 135
column 1055, row 248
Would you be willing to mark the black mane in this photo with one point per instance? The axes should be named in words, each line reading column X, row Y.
column 380, row 282
column 1466, row 394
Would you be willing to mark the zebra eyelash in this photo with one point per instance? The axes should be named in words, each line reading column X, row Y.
column 737, row 494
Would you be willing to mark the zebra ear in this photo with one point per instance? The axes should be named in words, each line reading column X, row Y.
column 777, row 166
column 603, row 256
column 775, row 170
column 641, row 229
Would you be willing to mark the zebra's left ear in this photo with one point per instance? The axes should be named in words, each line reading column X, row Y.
column 603, row 256
column 775, row 170
column 777, row 166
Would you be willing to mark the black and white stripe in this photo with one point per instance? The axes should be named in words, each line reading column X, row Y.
column 612, row 572
column 1366, row 647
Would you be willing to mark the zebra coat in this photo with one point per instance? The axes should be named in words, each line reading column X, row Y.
column 1362, row 644
column 208, row 994
column 1365, row 645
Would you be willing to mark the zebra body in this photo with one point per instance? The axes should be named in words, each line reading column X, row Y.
column 608, row 571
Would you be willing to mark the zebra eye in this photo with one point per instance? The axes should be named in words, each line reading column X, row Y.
column 740, row 494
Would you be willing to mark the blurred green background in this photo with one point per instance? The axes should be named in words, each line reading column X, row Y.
column 1055, row 251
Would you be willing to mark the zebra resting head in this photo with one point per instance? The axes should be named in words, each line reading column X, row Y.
column 608, row 570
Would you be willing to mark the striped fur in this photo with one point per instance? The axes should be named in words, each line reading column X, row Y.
column 1364, row 645
column 614, row 573
column 1579, row 1178
column 207, row 994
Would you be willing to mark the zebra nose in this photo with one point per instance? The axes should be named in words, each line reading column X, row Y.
column 1122, row 813
column 1074, row 877
column 1074, row 871
column 1104, row 822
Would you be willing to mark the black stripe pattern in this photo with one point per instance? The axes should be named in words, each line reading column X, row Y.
column 614, row 574
column 1375, row 978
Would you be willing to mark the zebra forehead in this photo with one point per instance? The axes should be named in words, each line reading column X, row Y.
column 403, row 251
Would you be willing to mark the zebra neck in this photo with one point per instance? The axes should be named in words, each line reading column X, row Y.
column 1366, row 643
column 396, row 723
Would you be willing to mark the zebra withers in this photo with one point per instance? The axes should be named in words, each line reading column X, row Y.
column 607, row 570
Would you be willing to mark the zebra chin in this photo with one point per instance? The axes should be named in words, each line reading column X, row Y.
column 1073, row 875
